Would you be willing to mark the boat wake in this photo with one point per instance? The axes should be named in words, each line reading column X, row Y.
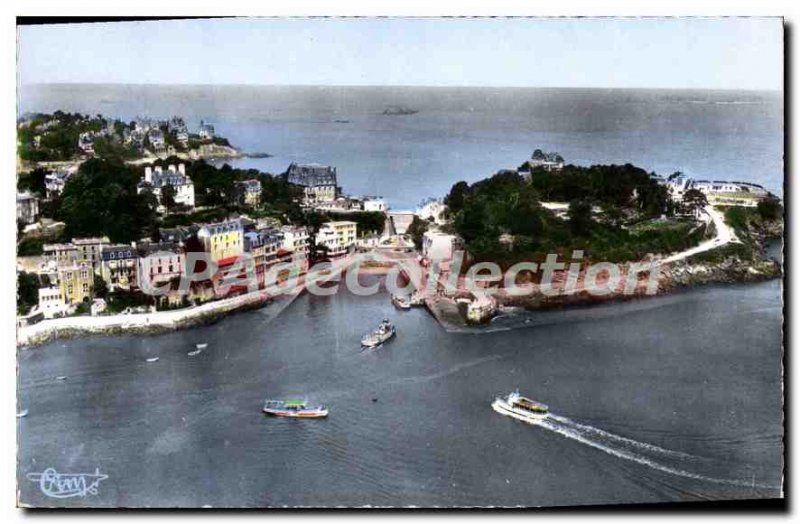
column 655, row 457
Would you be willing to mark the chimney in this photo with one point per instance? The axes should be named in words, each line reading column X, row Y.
column 148, row 175
column 182, row 169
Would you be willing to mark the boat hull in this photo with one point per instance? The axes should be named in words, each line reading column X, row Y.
column 401, row 303
column 374, row 341
column 288, row 413
column 504, row 408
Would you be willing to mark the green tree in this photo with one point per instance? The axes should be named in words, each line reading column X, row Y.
column 458, row 194
column 102, row 199
column 580, row 217
column 33, row 181
column 27, row 292
column 100, row 287
column 694, row 200
column 417, row 229
column 770, row 209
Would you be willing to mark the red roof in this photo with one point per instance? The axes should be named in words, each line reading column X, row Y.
column 229, row 261
column 283, row 252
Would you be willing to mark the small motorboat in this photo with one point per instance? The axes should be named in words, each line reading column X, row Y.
column 294, row 409
column 23, row 413
column 201, row 346
column 195, row 352
column 152, row 359
column 61, row 377
column 521, row 408
column 401, row 301
column 384, row 332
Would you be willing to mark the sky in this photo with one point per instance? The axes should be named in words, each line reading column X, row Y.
column 696, row 53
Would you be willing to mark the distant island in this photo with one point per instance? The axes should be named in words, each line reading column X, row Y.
column 399, row 111
column 257, row 155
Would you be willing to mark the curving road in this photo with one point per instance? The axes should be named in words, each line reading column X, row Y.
column 725, row 235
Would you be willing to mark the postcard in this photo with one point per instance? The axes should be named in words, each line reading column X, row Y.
column 399, row 262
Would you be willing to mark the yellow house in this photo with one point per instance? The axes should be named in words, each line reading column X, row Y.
column 222, row 240
column 76, row 283
column 338, row 236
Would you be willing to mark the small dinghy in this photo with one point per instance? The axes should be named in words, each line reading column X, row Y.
column 152, row 359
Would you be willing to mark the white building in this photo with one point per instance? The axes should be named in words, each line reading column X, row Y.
column 677, row 186
column 86, row 142
column 546, row 161
column 723, row 193
column 374, row 204
column 156, row 179
column 54, row 182
column 440, row 247
column 206, row 131
column 717, row 186
column 295, row 239
column 50, row 302
column 338, row 237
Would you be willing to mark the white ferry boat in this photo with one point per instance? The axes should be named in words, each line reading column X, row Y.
column 384, row 332
column 293, row 409
column 521, row 408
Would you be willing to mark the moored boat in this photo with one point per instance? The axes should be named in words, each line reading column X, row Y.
column 384, row 332
column 521, row 408
column 294, row 409
column 401, row 301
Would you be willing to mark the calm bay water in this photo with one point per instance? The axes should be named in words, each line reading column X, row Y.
column 459, row 133
column 665, row 399
column 696, row 373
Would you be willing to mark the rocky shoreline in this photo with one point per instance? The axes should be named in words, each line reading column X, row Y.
column 672, row 277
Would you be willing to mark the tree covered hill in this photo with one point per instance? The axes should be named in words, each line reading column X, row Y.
column 615, row 214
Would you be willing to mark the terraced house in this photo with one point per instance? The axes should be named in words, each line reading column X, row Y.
column 158, row 263
column 119, row 266
column 223, row 241
column 76, row 283
column 60, row 255
column 90, row 250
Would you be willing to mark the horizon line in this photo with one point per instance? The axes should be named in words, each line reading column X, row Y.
column 394, row 86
